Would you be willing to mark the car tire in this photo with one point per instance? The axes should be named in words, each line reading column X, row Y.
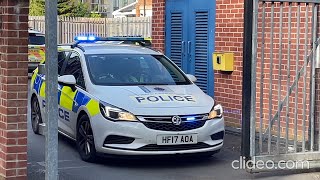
column 85, row 140
column 36, row 118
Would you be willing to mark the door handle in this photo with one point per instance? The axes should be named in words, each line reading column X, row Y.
column 183, row 44
column 189, row 50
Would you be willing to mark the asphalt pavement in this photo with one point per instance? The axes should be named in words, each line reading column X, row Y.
column 218, row 167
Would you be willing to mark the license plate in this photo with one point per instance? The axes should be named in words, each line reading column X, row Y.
column 177, row 139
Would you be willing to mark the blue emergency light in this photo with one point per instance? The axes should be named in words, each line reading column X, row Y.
column 93, row 39
column 191, row 118
column 85, row 38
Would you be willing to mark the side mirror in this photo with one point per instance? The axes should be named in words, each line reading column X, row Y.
column 68, row 80
column 42, row 69
column 191, row 77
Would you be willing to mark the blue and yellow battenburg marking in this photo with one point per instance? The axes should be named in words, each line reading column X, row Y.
column 38, row 82
column 67, row 98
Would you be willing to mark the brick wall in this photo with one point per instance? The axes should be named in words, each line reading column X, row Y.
column 229, row 38
column 297, row 55
column 13, row 88
column 229, row 30
column 158, row 24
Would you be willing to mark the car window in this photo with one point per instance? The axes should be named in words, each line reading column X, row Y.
column 133, row 69
column 36, row 39
column 73, row 67
column 62, row 56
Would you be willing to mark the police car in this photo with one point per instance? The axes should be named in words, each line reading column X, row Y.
column 127, row 99
column 36, row 49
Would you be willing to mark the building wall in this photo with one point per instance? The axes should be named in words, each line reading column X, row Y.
column 228, row 88
column 13, row 88
column 229, row 38
column 140, row 7
column 229, row 30
column 158, row 24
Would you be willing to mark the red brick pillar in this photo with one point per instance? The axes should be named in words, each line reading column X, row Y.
column 13, row 88
column 158, row 24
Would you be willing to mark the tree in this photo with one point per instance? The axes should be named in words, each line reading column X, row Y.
column 80, row 10
column 37, row 8
column 70, row 8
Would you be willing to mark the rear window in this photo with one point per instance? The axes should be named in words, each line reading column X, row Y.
column 36, row 39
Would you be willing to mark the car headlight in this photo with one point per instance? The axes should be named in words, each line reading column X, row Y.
column 116, row 114
column 216, row 112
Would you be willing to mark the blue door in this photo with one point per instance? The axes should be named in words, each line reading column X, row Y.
column 190, row 38
column 176, row 32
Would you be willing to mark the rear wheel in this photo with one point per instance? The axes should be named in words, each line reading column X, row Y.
column 36, row 118
column 85, row 140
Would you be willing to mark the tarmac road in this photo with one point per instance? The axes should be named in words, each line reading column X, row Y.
column 71, row 167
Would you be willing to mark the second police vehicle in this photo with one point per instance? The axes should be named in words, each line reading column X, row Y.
column 120, row 98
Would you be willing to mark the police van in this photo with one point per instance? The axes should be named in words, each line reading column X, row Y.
column 127, row 99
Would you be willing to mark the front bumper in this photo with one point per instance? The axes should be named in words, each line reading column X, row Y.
column 145, row 139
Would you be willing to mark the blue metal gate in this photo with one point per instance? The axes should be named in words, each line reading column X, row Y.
column 190, row 38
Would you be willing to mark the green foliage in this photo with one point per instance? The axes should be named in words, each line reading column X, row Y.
column 80, row 10
column 37, row 8
column 65, row 7
column 70, row 8
column 95, row 15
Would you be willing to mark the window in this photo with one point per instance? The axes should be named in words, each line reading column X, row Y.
column 133, row 70
column 62, row 56
column 73, row 67
column 36, row 39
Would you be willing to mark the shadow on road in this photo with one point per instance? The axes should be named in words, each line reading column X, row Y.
column 148, row 161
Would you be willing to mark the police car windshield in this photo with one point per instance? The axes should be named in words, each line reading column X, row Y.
column 35, row 39
column 132, row 70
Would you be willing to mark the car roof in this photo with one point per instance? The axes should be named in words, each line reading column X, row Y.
column 31, row 31
column 114, row 48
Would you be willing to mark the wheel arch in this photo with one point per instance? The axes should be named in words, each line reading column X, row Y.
column 33, row 95
column 81, row 113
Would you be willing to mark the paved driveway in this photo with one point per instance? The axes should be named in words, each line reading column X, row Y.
column 71, row 167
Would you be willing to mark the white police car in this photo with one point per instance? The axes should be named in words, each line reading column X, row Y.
column 125, row 99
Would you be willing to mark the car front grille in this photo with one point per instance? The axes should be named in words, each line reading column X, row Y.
column 166, row 124
column 171, row 127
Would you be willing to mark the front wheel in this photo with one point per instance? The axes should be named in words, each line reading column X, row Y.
column 85, row 140
column 36, row 118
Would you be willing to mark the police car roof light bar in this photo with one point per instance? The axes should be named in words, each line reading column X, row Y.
column 92, row 39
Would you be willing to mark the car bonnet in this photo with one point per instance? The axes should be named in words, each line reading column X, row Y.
column 156, row 100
